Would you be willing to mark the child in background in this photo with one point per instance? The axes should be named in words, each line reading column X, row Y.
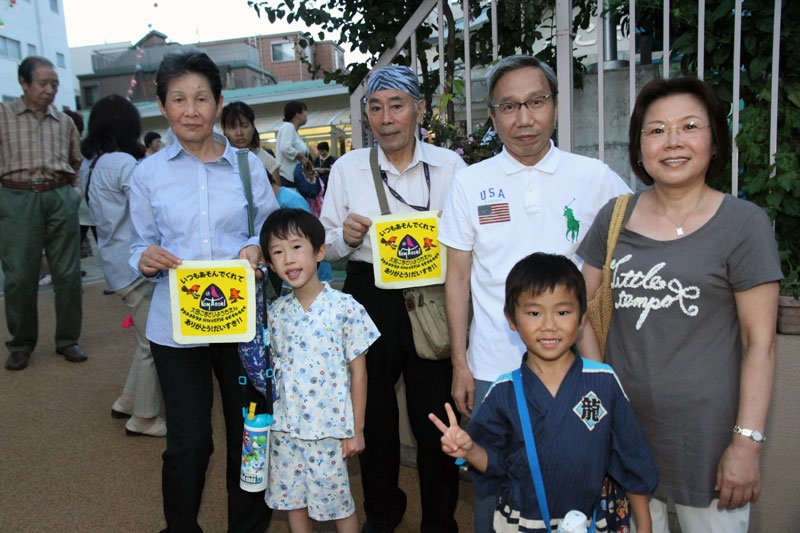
column 583, row 425
column 318, row 337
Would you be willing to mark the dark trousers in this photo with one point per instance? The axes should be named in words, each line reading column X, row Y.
column 185, row 375
column 427, row 389
column 30, row 222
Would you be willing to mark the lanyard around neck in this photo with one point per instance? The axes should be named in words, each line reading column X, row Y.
column 401, row 199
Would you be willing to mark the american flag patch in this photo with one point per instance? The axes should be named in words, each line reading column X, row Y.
column 493, row 213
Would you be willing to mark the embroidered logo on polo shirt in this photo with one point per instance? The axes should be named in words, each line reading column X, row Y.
column 573, row 226
column 590, row 410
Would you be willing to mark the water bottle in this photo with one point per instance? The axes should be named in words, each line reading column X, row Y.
column 573, row 522
column 255, row 450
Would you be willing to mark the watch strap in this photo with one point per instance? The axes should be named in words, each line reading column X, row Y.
column 752, row 434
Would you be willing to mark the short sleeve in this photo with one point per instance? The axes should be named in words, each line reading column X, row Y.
column 630, row 463
column 593, row 247
column 755, row 258
column 455, row 229
column 358, row 329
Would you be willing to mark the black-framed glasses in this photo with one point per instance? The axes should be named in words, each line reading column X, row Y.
column 533, row 104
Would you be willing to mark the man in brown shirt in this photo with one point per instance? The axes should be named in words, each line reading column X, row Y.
column 39, row 161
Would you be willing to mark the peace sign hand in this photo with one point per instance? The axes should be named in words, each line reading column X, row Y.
column 455, row 441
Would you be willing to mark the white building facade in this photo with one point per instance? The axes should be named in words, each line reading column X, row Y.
column 34, row 27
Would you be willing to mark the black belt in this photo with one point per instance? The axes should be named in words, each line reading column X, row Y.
column 36, row 186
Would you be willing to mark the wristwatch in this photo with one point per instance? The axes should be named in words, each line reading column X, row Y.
column 753, row 434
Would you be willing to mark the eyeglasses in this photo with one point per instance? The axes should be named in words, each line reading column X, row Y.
column 660, row 132
column 534, row 104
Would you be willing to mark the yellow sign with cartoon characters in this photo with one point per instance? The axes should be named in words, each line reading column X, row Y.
column 406, row 250
column 212, row 301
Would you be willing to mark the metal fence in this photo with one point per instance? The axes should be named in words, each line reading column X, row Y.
column 565, row 44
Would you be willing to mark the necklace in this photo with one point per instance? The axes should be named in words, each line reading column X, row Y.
column 679, row 227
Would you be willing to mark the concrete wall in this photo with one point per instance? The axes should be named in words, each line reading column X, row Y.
column 779, row 506
column 616, row 105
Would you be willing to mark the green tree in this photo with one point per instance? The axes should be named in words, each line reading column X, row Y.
column 371, row 28
column 776, row 187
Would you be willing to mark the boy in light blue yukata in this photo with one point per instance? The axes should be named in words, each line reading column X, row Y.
column 583, row 425
column 319, row 337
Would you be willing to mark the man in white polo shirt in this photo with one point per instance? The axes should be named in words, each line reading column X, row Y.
column 532, row 197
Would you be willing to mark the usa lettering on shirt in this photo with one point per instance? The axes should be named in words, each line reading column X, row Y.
column 662, row 293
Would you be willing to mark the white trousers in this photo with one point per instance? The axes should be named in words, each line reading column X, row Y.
column 699, row 519
column 142, row 382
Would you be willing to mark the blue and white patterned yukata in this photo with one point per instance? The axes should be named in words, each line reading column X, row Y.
column 312, row 349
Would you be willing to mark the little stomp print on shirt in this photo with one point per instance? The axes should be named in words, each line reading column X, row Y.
column 662, row 293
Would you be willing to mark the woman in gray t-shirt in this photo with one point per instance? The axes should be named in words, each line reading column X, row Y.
column 695, row 283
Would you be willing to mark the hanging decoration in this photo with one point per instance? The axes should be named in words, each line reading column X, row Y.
column 138, row 67
column 11, row 3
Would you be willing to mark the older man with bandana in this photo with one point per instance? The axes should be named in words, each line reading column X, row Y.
column 416, row 176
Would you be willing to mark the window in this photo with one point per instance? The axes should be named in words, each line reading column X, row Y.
column 31, row 49
column 338, row 60
column 91, row 95
column 10, row 48
column 54, row 6
column 282, row 51
column 61, row 61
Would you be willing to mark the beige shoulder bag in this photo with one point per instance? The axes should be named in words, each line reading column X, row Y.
column 601, row 306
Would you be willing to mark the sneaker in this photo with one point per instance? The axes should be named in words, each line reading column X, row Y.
column 156, row 429
column 46, row 280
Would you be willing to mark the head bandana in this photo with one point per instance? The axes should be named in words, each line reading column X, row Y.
column 397, row 77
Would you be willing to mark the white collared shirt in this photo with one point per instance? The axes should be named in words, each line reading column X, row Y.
column 351, row 189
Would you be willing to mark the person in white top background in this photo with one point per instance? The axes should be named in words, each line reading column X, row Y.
column 290, row 148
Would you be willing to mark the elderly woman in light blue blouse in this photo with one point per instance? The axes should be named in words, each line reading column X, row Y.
column 188, row 203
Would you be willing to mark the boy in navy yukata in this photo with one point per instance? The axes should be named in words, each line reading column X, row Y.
column 583, row 425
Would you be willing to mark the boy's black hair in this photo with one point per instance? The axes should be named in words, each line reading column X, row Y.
column 285, row 222
column 151, row 136
column 539, row 273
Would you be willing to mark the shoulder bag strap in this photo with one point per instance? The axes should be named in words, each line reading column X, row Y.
column 530, row 447
column 89, row 178
column 533, row 457
column 244, row 174
column 615, row 226
column 376, row 176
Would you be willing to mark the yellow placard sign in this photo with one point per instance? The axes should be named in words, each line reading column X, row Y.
column 406, row 250
column 212, row 301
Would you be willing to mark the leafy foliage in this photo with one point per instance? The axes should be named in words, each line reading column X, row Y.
column 776, row 187
column 371, row 28
column 482, row 143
